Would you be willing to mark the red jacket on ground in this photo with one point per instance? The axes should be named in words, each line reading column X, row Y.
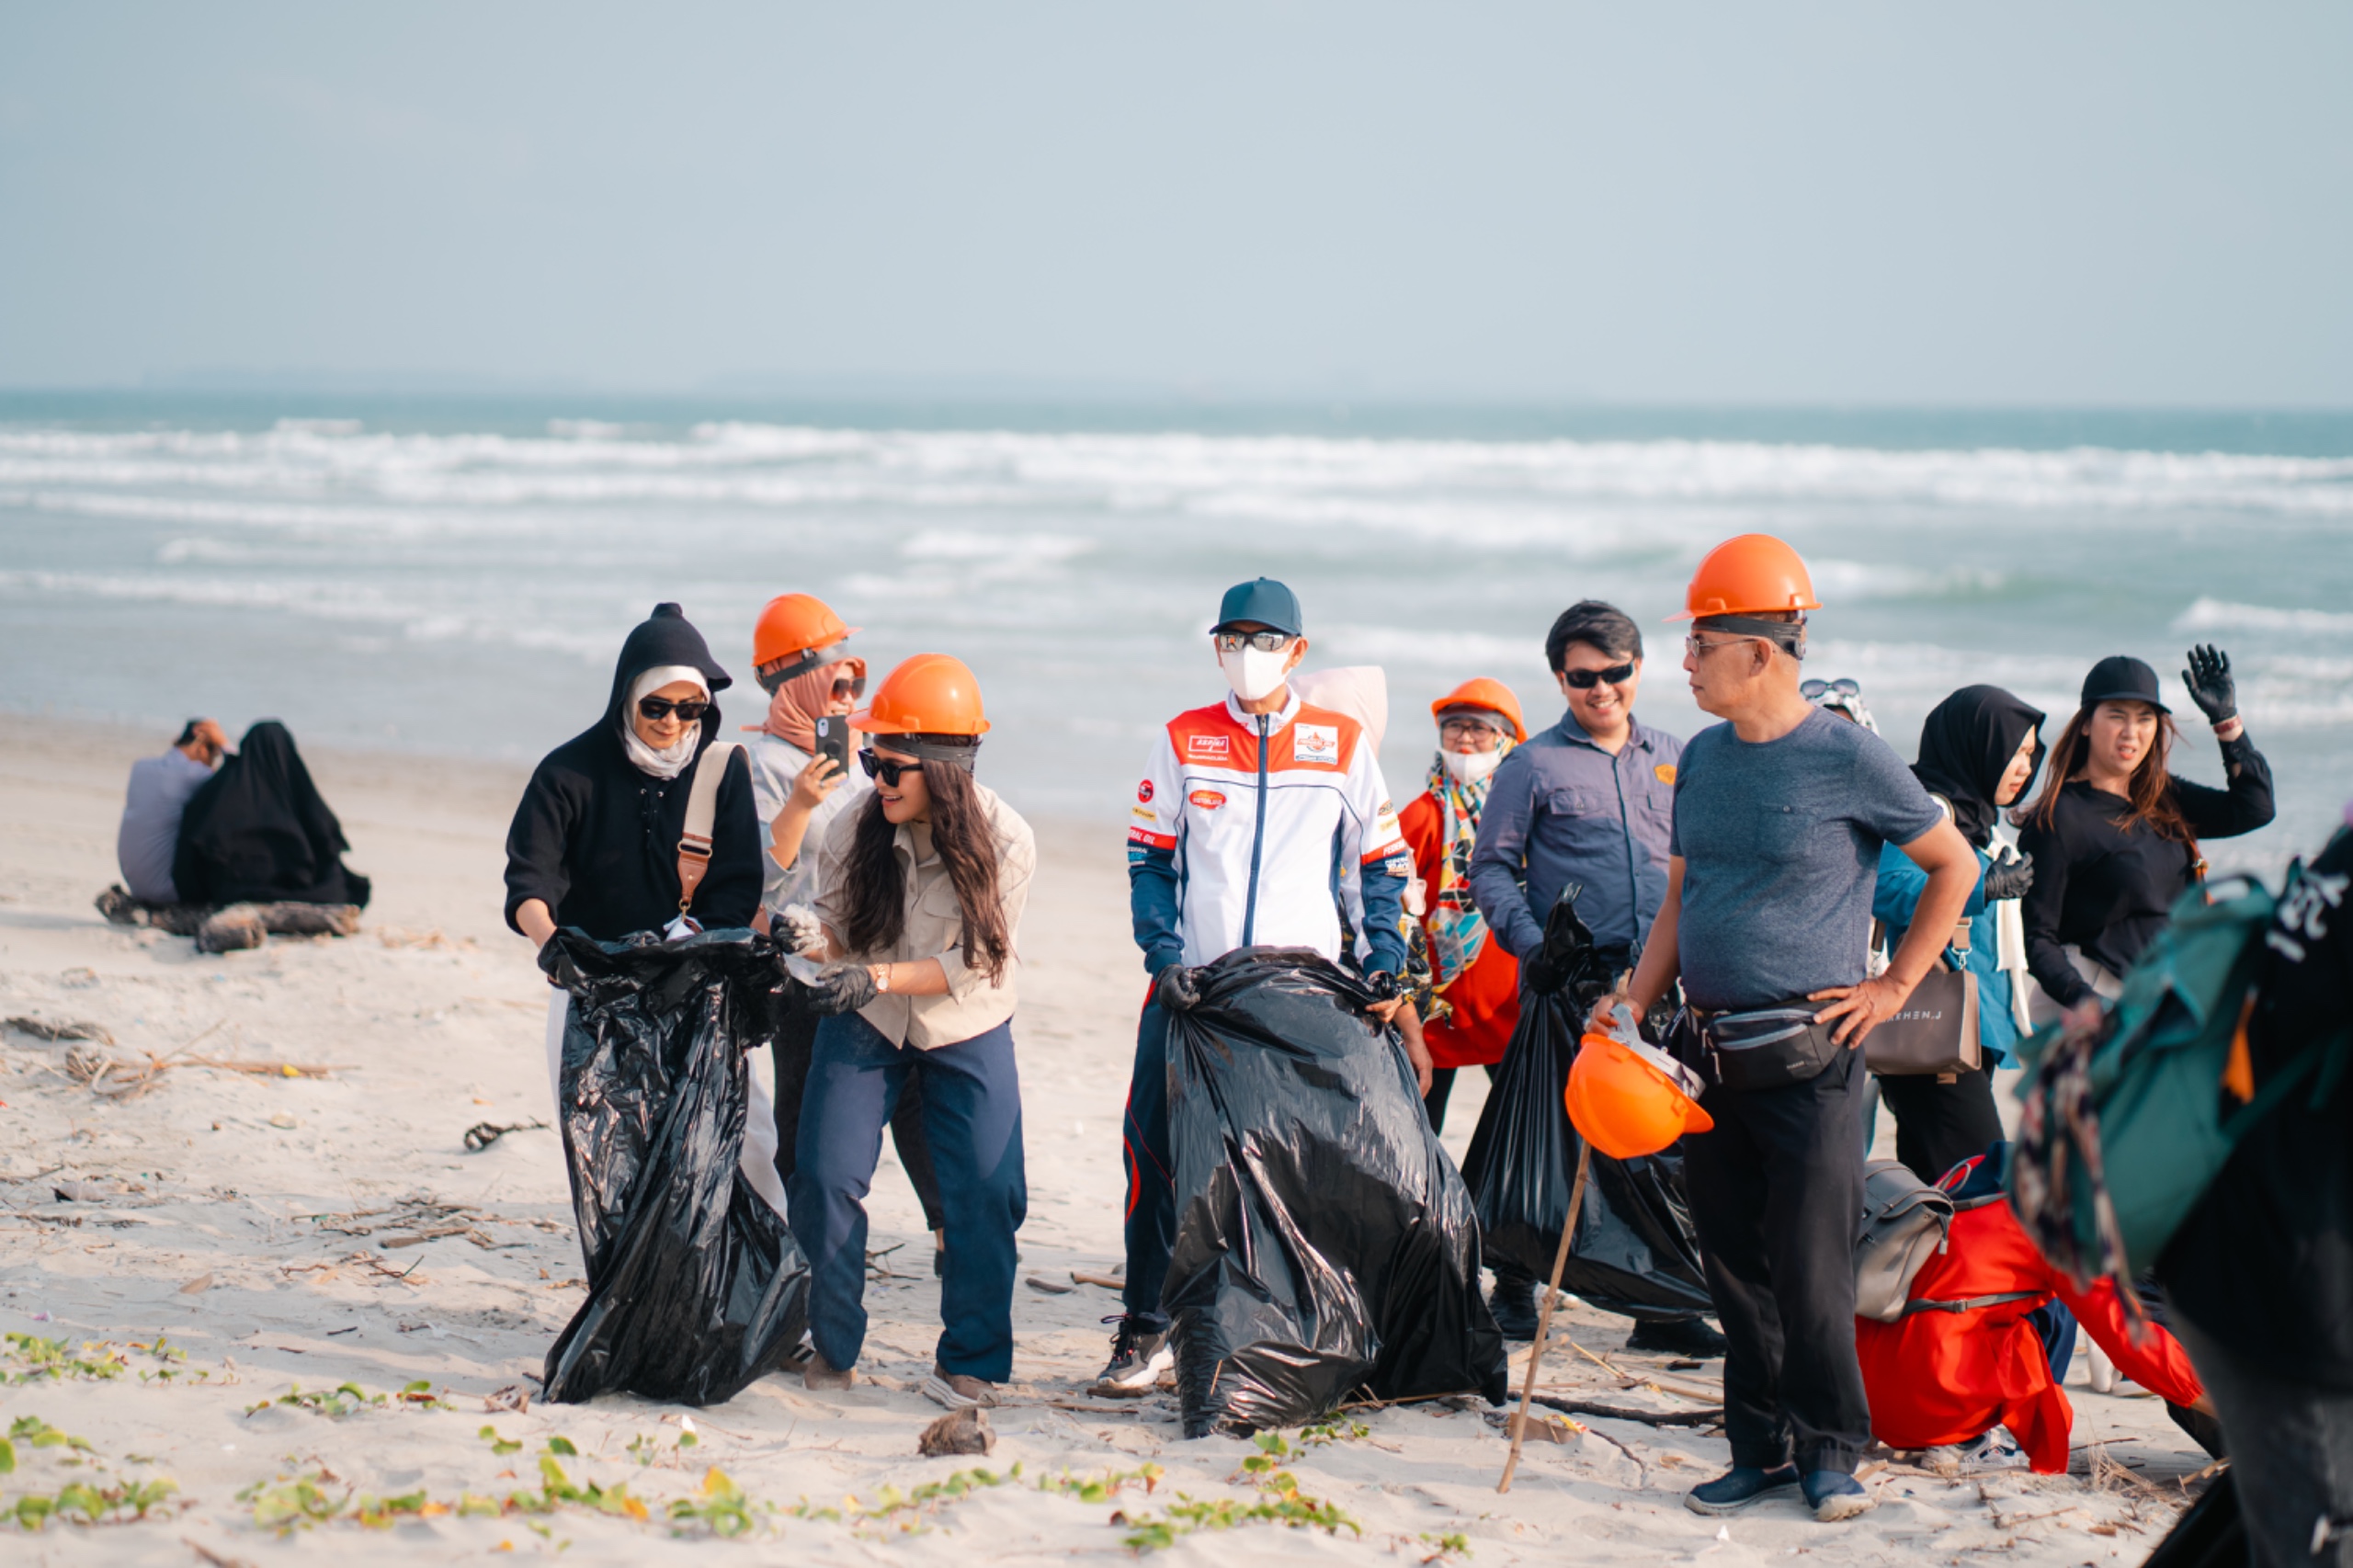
column 1485, row 997
column 1935, row 1377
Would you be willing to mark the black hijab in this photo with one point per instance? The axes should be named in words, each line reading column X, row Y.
column 258, row 832
column 665, row 637
column 1966, row 746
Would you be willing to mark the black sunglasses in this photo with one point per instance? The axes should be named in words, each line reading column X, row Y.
column 884, row 769
column 692, row 709
column 1586, row 680
column 1844, row 686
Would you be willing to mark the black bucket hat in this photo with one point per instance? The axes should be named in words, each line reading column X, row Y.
column 2121, row 677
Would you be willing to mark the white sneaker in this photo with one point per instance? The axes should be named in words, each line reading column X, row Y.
column 1997, row 1450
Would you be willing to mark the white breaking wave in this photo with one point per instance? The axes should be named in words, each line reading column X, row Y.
column 2218, row 615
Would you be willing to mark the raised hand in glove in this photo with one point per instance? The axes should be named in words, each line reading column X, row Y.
column 1178, row 987
column 797, row 930
column 841, row 988
column 2009, row 877
column 2211, row 685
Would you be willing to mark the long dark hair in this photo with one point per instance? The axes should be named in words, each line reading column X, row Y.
column 967, row 844
column 2150, row 797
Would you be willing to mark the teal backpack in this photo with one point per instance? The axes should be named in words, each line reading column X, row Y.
column 2126, row 1122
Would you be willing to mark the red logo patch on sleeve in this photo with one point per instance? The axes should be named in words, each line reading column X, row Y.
column 1143, row 790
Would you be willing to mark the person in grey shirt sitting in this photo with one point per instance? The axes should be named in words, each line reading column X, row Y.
column 1587, row 803
column 152, row 808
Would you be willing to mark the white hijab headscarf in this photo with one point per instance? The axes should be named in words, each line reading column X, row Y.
column 672, row 760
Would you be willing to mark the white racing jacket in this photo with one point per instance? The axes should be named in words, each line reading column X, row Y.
column 1252, row 831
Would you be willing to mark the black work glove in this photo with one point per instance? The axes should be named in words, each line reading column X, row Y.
column 557, row 965
column 2211, row 685
column 842, row 988
column 2010, row 878
column 1384, row 985
column 1178, row 988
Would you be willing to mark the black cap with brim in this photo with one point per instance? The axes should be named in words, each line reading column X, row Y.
column 1263, row 601
column 2121, row 677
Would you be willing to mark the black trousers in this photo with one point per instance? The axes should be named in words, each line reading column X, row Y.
column 1442, row 1090
column 1776, row 1191
column 790, row 1051
column 1939, row 1125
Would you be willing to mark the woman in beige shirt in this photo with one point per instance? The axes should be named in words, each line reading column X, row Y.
column 920, row 893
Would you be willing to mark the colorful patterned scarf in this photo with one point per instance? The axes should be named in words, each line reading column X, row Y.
column 1458, row 931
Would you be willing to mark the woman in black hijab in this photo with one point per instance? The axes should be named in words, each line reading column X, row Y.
column 258, row 832
column 595, row 840
column 1979, row 750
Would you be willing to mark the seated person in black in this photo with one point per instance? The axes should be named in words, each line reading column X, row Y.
column 258, row 832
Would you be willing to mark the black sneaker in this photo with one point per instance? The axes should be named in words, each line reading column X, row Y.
column 1140, row 1356
column 1738, row 1487
column 1677, row 1336
column 1513, row 1300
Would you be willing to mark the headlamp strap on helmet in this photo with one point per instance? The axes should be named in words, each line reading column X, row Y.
column 962, row 750
column 1787, row 635
column 776, row 674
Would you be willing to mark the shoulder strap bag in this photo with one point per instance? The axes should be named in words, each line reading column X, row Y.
column 702, row 810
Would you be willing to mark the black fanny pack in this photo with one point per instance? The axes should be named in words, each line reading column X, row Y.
column 1763, row 1048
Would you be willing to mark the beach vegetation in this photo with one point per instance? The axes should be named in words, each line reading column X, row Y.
column 1278, row 1501
column 349, row 1398
column 909, row 1511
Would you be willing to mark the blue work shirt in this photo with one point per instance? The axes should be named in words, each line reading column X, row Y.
column 1561, row 810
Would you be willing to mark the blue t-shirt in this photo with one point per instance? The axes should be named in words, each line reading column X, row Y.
column 1780, row 844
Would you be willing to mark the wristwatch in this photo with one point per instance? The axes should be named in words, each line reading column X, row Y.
column 882, row 973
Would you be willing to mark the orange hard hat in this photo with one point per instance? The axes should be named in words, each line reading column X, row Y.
column 931, row 694
column 1492, row 695
column 1753, row 574
column 1628, row 1099
column 794, row 623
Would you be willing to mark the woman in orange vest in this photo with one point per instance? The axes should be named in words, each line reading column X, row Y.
column 1475, row 982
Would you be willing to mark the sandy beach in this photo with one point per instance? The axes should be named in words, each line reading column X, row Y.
column 267, row 1177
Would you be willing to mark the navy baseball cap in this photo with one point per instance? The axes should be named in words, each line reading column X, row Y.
column 1264, row 600
column 2121, row 677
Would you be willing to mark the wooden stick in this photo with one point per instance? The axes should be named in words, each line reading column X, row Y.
column 1544, row 1318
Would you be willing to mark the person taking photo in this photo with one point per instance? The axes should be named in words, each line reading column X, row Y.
column 919, row 895
column 1260, row 821
column 1780, row 812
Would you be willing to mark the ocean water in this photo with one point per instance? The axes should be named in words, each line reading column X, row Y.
column 455, row 576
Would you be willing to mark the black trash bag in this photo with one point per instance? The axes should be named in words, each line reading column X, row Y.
column 1635, row 1251
column 696, row 1287
column 1325, row 1246
column 2211, row 1534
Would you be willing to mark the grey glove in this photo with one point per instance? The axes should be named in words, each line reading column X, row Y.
column 797, row 930
column 2211, row 685
column 2009, row 877
column 841, row 988
column 1178, row 988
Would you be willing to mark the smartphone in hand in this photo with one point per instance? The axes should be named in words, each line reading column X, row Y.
column 833, row 740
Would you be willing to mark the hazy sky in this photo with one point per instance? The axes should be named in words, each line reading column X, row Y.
column 2020, row 204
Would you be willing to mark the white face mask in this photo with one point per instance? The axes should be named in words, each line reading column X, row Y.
column 1253, row 674
column 1470, row 767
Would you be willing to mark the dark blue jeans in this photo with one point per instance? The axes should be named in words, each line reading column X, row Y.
column 972, row 1111
column 1152, row 1173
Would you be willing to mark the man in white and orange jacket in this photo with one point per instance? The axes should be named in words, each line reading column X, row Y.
column 1260, row 822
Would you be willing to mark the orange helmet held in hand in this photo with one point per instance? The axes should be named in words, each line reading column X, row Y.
column 793, row 624
column 930, row 694
column 1493, row 695
column 1753, row 574
column 1628, row 1099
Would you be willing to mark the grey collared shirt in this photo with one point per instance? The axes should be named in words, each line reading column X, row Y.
column 1561, row 810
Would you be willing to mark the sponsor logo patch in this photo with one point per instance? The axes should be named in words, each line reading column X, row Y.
column 1208, row 799
column 1315, row 742
column 1665, row 771
column 1209, row 745
column 1143, row 790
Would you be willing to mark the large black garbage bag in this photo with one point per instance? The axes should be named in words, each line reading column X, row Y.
column 695, row 1285
column 2212, row 1534
column 1635, row 1251
column 1325, row 1245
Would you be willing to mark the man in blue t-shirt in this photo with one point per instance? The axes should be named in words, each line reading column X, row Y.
column 1780, row 816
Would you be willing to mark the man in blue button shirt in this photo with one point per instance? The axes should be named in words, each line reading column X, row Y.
column 1588, row 802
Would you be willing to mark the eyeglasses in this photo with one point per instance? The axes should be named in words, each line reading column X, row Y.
column 1586, row 680
column 1700, row 650
column 1455, row 729
column 885, row 770
column 660, row 708
column 1813, row 690
column 1263, row 641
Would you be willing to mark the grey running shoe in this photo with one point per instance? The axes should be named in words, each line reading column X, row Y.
column 1138, row 1360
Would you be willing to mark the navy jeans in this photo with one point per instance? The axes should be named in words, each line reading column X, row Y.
column 972, row 1111
column 1152, row 1173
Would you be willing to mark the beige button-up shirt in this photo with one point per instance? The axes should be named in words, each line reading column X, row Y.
column 935, row 927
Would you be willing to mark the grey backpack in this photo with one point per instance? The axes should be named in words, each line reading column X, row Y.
column 1904, row 1223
